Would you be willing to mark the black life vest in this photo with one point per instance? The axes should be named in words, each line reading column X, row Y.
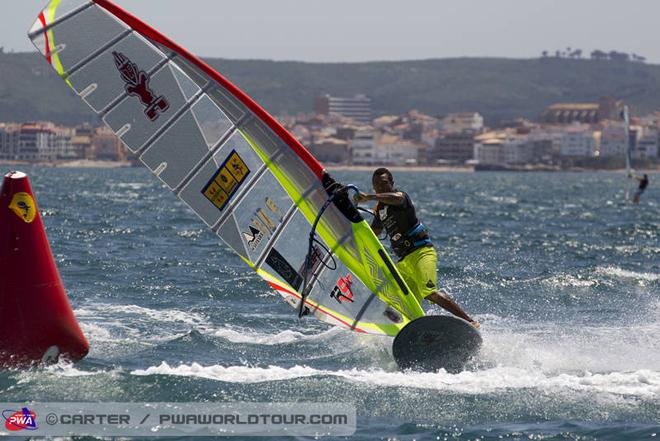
column 405, row 231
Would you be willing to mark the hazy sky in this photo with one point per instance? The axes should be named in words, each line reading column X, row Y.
column 363, row 30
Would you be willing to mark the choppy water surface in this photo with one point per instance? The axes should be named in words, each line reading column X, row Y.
column 563, row 275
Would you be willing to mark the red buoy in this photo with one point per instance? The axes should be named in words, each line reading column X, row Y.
column 36, row 320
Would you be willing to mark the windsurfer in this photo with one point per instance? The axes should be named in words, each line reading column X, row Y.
column 643, row 183
column 417, row 258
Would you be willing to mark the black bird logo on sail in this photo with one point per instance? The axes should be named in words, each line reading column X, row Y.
column 137, row 84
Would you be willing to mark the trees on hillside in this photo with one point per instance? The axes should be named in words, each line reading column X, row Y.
column 597, row 55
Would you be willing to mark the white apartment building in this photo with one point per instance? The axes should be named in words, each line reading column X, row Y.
column 490, row 152
column 393, row 150
column 357, row 107
column 36, row 142
column 647, row 146
column 578, row 141
column 460, row 122
column 363, row 151
column 518, row 151
column 613, row 141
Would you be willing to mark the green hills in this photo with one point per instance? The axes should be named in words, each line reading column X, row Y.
column 500, row 89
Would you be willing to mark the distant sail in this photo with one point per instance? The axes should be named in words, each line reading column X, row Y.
column 628, row 147
column 243, row 174
column 628, row 144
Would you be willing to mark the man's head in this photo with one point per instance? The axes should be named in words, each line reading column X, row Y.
column 646, row 176
column 382, row 181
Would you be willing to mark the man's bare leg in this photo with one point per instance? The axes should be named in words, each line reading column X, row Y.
column 445, row 301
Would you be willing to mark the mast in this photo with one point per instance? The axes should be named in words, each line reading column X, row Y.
column 628, row 148
column 626, row 135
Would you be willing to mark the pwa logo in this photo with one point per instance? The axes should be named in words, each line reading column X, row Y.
column 17, row 420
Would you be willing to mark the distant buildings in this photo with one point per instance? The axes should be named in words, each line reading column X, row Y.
column 647, row 146
column 357, row 107
column 613, row 141
column 33, row 142
column 364, row 147
column 590, row 113
column 582, row 134
column 462, row 122
column 46, row 142
column 503, row 147
column 393, row 150
column 453, row 147
column 490, row 152
column 578, row 141
column 331, row 151
column 106, row 146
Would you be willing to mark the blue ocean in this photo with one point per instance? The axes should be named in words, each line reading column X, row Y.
column 562, row 272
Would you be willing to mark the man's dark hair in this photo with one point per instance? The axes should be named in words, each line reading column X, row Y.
column 382, row 171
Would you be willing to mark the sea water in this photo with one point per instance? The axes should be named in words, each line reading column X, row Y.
column 562, row 272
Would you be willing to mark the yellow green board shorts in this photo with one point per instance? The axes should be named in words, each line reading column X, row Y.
column 419, row 270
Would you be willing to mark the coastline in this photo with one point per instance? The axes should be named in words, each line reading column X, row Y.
column 403, row 168
column 88, row 163
column 77, row 163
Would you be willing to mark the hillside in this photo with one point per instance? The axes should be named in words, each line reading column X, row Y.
column 500, row 89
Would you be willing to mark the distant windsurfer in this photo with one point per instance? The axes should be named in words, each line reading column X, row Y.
column 643, row 183
column 410, row 241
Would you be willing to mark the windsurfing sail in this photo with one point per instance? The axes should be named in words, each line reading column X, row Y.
column 626, row 135
column 238, row 169
column 627, row 146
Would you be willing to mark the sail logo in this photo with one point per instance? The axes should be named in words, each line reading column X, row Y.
column 342, row 290
column 17, row 420
column 284, row 269
column 262, row 223
column 226, row 181
column 253, row 237
column 136, row 83
column 23, row 205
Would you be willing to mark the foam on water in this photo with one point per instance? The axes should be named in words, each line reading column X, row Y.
column 641, row 383
column 568, row 280
column 249, row 336
column 115, row 330
column 552, row 348
column 157, row 315
column 615, row 272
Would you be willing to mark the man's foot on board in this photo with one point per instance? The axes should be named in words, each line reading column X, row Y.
column 475, row 324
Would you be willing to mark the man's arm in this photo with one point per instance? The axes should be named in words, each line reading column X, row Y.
column 395, row 198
